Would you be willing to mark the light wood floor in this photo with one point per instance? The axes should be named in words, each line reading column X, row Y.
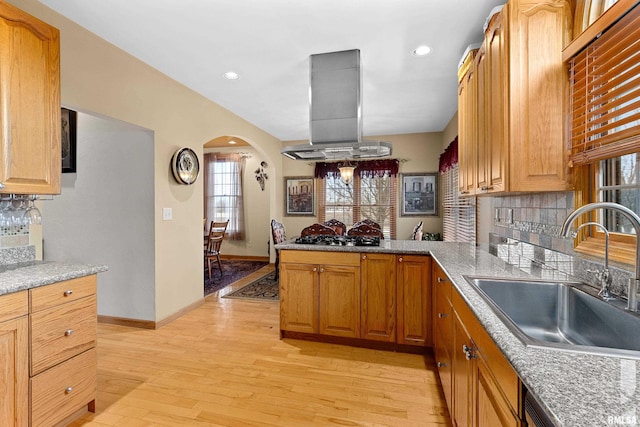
column 223, row 364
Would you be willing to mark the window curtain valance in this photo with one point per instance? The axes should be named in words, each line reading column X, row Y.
column 449, row 158
column 363, row 168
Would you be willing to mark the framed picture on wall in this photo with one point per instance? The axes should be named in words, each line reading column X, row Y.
column 299, row 196
column 69, row 120
column 419, row 194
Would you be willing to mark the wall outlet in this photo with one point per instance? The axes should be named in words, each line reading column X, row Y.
column 167, row 214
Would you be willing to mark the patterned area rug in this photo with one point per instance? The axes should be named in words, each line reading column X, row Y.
column 265, row 288
column 232, row 271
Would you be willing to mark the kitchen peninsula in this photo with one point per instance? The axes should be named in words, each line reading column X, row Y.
column 572, row 388
column 48, row 318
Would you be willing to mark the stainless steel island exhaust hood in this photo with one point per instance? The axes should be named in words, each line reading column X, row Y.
column 336, row 111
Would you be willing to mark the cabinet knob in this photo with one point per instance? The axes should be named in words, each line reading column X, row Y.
column 321, row 270
column 315, row 269
column 68, row 332
column 68, row 292
column 442, row 315
column 441, row 280
column 442, row 365
column 400, row 259
column 468, row 352
column 68, row 390
column 364, row 257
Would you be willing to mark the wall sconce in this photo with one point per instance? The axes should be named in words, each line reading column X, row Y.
column 261, row 175
column 346, row 173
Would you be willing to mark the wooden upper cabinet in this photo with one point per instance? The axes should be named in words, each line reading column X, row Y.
column 467, row 126
column 520, row 101
column 30, row 156
column 538, row 94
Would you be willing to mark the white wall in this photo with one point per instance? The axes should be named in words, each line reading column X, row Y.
column 105, row 215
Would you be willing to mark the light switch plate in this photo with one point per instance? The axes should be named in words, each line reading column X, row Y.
column 167, row 214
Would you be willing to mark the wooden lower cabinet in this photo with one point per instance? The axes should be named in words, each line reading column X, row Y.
column 379, row 297
column 321, row 297
column 414, row 300
column 14, row 363
column 372, row 296
column 62, row 340
column 480, row 386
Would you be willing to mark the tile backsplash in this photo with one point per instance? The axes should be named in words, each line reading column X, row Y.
column 526, row 230
column 14, row 245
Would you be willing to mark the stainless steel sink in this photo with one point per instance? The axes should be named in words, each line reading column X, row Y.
column 562, row 316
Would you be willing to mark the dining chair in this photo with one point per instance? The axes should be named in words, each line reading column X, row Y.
column 278, row 235
column 369, row 222
column 365, row 230
column 214, row 243
column 318, row 230
column 338, row 226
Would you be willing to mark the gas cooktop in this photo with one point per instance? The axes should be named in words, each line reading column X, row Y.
column 339, row 240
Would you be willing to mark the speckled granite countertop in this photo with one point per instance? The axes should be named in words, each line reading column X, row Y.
column 31, row 274
column 574, row 389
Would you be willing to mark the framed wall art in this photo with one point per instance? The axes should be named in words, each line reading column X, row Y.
column 419, row 194
column 69, row 120
column 299, row 196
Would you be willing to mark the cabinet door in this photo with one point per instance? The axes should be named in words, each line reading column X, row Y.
column 30, row 154
column 339, row 289
column 14, row 372
column 299, row 297
column 378, row 297
column 482, row 140
column 462, row 376
column 443, row 330
column 496, row 100
column 467, row 133
column 538, row 94
column 491, row 409
column 414, row 300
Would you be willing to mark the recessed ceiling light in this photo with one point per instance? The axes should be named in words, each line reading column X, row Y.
column 421, row 50
column 230, row 75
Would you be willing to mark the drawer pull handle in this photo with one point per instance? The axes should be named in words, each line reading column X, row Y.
column 442, row 365
column 442, row 315
column 468, row 352
column 68, row 332
column 68, row 390
column 68, row 292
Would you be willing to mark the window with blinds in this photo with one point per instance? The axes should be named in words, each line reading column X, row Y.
column 367, row 197
column 605, row 94
column 459, row 214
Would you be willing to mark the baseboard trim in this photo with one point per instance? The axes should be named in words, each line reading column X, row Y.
column 124, row 321
column 245, row 257
column 148, row 324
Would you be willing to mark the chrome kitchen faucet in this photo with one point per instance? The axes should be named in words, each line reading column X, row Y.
column 632, row 293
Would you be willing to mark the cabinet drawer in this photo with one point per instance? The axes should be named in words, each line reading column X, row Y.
column 14, row 305
column 61, row 332
column 64, row 389
column 62, row 292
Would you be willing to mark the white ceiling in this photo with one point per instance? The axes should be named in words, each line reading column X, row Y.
column 268, row 42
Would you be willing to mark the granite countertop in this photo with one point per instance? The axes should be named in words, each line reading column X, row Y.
column 32, row 274
column 574, row 389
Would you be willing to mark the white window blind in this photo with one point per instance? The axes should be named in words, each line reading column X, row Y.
column 459, row 216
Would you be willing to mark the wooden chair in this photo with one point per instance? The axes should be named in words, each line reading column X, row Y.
column 368, row 222
column 338, row 226
column 278, row 235
column 365, row 230
column 318, row 230
column 214, row 242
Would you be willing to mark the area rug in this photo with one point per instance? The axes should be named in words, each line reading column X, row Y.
column 232, row 270
column 265, row 288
